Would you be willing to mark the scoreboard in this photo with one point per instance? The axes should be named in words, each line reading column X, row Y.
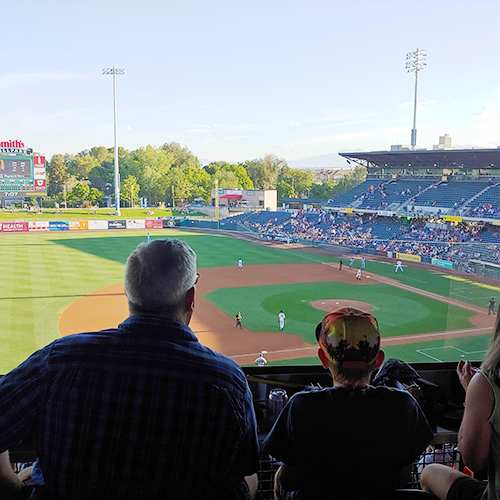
column 22, row 175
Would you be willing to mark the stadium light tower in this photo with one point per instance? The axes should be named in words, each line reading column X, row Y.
column 115, row 71
column 415, row 62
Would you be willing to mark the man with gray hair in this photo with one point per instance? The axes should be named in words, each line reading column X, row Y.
column 141, row 411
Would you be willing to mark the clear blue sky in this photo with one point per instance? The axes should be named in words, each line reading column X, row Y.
column 234, row 80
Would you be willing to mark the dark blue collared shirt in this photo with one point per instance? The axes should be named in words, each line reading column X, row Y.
column 142, row 411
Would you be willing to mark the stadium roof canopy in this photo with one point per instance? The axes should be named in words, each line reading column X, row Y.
column 431, row 159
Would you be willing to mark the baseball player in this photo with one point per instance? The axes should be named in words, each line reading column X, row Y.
column 351, row 262
column 261, row 360
column 358, row 274
column 491, row 307
column 340, row 265
column 240, row 265
column 281, row 319
column 149, row 237
column 363, row 264
column 238, row 320
column 399, row 265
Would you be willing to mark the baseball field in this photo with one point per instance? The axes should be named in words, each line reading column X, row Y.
column 61, row 283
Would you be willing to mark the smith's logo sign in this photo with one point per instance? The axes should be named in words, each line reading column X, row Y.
column 12, row 144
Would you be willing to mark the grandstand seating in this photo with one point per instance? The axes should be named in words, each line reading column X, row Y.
column 450, row 194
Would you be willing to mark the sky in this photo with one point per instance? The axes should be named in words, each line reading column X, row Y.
column 235, row 80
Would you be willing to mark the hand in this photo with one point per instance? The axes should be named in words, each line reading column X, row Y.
column 465, row 372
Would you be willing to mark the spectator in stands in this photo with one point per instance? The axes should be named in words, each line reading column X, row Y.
column 479, row 434
column 350, row 440
column 141, row 411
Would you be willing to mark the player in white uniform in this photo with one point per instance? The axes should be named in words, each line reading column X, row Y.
column 351, row 262
column 363, row 264
column 281, row 319
column 399, row 265
column 358, row 274
column 149, row 237
column 261, row 360
column 240, row 265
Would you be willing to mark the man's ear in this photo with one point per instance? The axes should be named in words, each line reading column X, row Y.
column 190, row 299
column 323, row 359
column 379, row 359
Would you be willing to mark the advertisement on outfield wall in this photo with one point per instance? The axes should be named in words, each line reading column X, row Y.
column 78, row 225
column 408, row 256
column 98, row 224
column 58, row 226
column 39, row 226
column 136, row 224
column 117, row 224
column 14, row 227
column 442, row 263
column 171, row 222
column 154, row 224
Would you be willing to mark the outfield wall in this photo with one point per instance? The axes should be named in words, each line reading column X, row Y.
column 93, row 225
column 478, row 268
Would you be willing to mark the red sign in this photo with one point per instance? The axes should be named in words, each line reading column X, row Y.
column 11, row 227
column 39, row 161
column 154, row 224
column 40, row 185
column 12, row 144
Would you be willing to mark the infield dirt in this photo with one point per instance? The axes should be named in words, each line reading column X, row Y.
column 107, row 307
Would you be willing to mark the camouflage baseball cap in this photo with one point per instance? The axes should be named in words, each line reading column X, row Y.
column 349, row 337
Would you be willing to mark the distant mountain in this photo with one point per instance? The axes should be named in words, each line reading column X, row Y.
column 328, row 161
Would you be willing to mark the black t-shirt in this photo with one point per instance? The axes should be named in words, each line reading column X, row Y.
column 349, row 443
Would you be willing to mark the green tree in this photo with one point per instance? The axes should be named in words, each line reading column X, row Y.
column 227, row 179
column 151, row 167
column 80, row 192
column 201, row 182
column 285, row 190
column 323, row 190
column 182, row 156
column 129, row 190
column 182, row 189
column 80, row 166
column 102, row 154
column 95, row 195
column 57, row 174
column 350, row 181
column 300, row 180
column 264, row 172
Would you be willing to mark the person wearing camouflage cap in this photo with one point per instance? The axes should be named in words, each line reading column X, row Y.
column 352, row 439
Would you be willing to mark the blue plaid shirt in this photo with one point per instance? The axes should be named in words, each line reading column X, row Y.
column 142, row 411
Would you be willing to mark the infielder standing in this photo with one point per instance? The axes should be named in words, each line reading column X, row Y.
column 358, row 274
column 238, row 320
column 281, row 319
column 399, row 265
column 240, row 265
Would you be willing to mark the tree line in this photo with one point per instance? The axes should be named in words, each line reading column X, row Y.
column 172, row 174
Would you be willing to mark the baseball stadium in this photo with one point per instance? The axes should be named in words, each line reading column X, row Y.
column 416, row 244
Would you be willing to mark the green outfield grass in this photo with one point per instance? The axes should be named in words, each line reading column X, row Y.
column 88, row 214
column 43, row 273
column 438, row 351
column 260, row 306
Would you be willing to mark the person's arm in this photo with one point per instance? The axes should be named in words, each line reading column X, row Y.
column 10, row 484
column 474, row 435
column 288, row 476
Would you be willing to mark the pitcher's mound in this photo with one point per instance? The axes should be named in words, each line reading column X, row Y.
column 333, row 304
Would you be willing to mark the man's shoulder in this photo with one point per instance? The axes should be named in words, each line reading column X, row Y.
column 149, row 352
column 370, row 395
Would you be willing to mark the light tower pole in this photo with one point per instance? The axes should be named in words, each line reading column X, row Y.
column 415, row 62
column 115, row 71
